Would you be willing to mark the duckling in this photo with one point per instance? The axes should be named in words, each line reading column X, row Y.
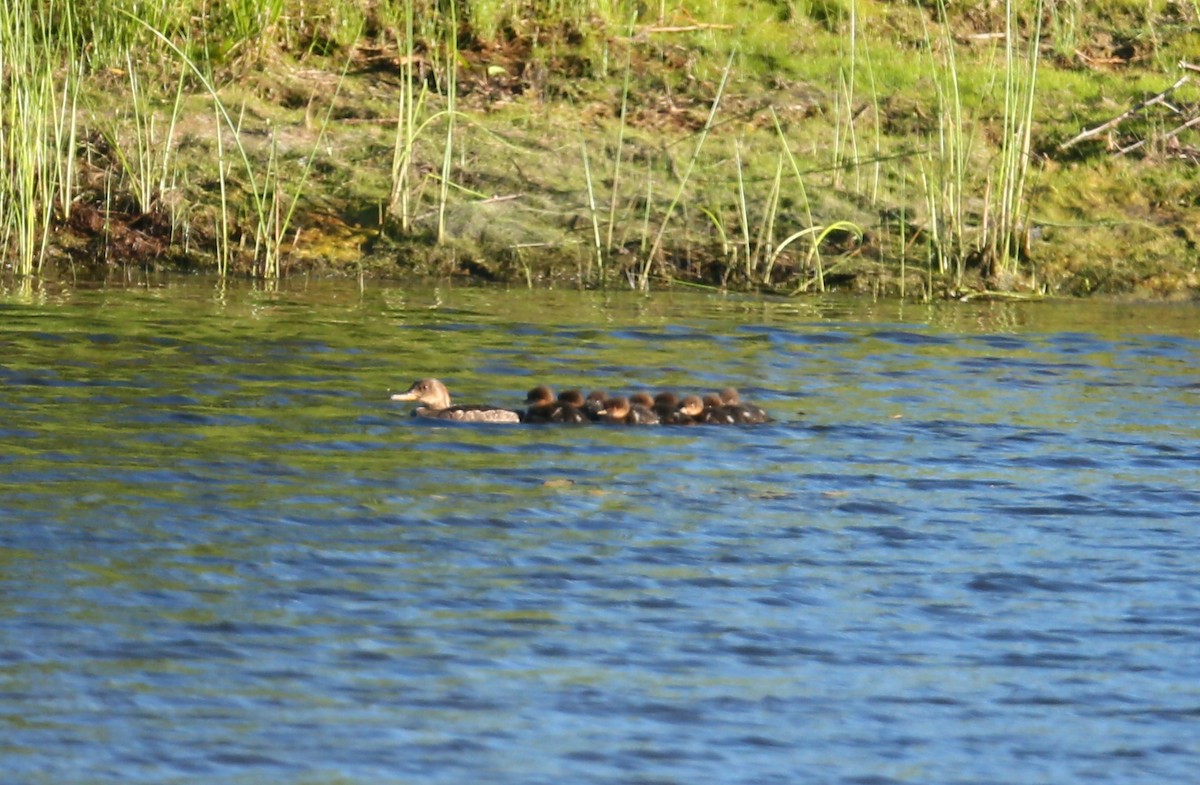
column 571, row 407
column 620, row 410
column 642, row 399
column 435, row 402
column 689, row 411
column 544, row 407
column 666, row 404
column 740, row 411
column 540, row 405
column 594, row 404
column 715, row 412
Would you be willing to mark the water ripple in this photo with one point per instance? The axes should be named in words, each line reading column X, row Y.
column 225, row 556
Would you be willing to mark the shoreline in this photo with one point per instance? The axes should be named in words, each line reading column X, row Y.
column 720, row 154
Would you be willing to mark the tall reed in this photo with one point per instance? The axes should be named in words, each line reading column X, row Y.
column 451, row 76
column 995, row 240
column 37, row 127
column 147, row 160
column 814, row 256
column 1008, row 207
column 622, row 124
column 273, row 208
column 948, row 162
column 411, row 103
column 651, row 254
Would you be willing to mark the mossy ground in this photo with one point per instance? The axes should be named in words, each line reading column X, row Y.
column 858, row 114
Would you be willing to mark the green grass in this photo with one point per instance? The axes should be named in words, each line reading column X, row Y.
column 782, row 146
column 39, row 76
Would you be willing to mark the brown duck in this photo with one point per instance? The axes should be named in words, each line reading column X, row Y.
column 434, row 400
column 620, row 410
column 543, row 407
column 740, row 411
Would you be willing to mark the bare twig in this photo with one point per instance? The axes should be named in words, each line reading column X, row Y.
column 1158, row 99
column 1168, row 135
column 645, row 31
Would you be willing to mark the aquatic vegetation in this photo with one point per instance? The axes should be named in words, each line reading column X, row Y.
column 913, row 147
column 38, row 129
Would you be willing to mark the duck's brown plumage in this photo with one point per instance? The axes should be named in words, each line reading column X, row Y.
column 594, row 404
column 539, row 404
column 543, row 407
column 740, row 411
column 571, row 403
column 435, row 402
column 642, row 399
column 689, row 411
column 714, row 412
column 665, row 404
column 620, row 410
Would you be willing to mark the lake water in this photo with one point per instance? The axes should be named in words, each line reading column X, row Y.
column 966, row 552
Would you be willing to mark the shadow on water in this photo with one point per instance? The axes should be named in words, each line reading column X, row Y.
column 963, row 552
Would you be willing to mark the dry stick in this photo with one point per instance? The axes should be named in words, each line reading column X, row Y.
column 1168, row 135
column 679, row 29
column 1158, row 99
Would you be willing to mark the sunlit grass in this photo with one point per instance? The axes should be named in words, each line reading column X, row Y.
column 930, row 109
column 38, row 128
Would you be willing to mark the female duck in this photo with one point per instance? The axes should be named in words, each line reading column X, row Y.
column 435, row 402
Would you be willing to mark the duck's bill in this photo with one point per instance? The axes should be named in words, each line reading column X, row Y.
column 404, row 396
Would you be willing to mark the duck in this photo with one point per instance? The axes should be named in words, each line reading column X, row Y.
column 573, row 403
column 540, row 404
column 435, row 402
column 714, row 411
column 642, row 399
column 689, row 411
column 543, row 407
column 739, row 411
column 620, row 410
column 665, row 405
column 594, row 405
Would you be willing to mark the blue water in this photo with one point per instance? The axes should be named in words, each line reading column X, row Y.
column 966, row 552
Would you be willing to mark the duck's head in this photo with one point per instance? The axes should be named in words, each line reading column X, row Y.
column 729, row 396
column 692, row 406
column 712, row 401
column 666, row 399
column 615, row 408
column 539, row 396
column 572, row 398
column 642, row 399
column 430, row 392
column 595, row 400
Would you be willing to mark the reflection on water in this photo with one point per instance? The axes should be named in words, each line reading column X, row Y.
column 964, row 553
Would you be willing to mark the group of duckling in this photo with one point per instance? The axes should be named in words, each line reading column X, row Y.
column 572, row 406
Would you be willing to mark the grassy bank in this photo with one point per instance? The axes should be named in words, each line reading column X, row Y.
column 1032, row 147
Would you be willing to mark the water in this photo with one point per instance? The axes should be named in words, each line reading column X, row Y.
column 966, row 552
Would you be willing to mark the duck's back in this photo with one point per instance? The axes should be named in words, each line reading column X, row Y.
column 470, row 414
